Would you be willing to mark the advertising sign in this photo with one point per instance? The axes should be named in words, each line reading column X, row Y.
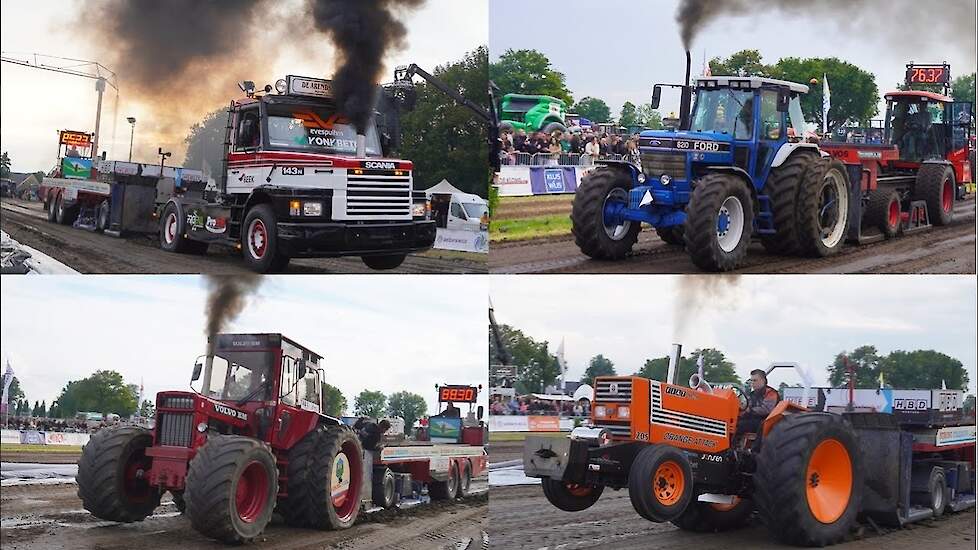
column 315, row 87
column 462, row 240
column 444, row 429
column 545, row 180
column 76, row 168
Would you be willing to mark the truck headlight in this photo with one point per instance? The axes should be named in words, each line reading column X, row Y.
column 600, row 411
column 624, row 412
column 421, row 209
column 312, row 208
column 295, row 208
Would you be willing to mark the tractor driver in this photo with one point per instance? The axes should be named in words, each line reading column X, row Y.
column 760, row 402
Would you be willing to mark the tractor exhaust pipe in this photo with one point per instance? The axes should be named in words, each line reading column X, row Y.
column 361, row 146
column 205, row 382
column 677, row 350
column 687, row 96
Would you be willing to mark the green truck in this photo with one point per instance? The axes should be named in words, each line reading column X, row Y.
column 532, row 113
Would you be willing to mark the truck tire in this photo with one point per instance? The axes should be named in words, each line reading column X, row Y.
column 172, row 230
column 259, row 241
column 552, row 127
column 64, row 215
column 707, row 517
column 719, row 223
column 111, row 475
column 660, row 483
column 49, row 205
column 231, row 487
column 102, row 217
column 782, row 189
column 465, row 481
column 383, row 488
column 671, row 235
column 570, row 497
column 883, row 211
column 593, row 237
column 445, row 490
column 808, row 483
column 928, row 488
column 823, row 209
column 935, row 186
column 384, row 263
column 325, row 478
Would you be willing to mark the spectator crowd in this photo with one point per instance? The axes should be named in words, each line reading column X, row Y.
column 567, row 147
column 526, row 405
column 67, row 425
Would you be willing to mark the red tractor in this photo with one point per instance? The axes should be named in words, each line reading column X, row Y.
column 924, row 162
column 255, row 440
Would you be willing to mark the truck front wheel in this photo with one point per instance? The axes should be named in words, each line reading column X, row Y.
column 112, row 475
column 259, row 241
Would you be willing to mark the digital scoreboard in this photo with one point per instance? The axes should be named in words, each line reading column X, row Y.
column 458, row 394
column 928, row 74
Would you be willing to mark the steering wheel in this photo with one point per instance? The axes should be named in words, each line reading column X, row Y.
column 741, row 396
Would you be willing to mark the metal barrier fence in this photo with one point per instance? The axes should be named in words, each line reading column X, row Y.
column 551, row 159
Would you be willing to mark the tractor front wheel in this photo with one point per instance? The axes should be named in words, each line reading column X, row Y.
column 708, row 517
column 720, row 222
column 597, row 230
column 935, row 186
column 570, row 497
column 808, row 484
column 113, row 471
column 660, row 483
column 325, row 479
column 231, row 488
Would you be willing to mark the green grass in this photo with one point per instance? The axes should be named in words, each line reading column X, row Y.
column 529, row 228
column 520, row 436
column 66, row 449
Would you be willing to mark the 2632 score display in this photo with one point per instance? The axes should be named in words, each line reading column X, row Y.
column 458, row 394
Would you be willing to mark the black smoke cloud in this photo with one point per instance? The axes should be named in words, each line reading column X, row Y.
column 694, row 294
column 226, row 299
column 363, row 32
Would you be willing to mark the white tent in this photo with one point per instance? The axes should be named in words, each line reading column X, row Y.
column 445, row 188
column 584, row 391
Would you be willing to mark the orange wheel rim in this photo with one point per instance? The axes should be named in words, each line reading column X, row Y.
column 828, row 481
column 668, row 483
column 578, row 490
column 720, row 507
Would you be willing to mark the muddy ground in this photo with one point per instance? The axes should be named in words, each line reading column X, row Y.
column 521, row 517
column 51, row 517
column 948, row 249
column 90, row 252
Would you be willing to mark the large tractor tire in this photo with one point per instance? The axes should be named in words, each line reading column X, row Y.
column 384, row 263
column 259, row 241
column 935, row 186
column 823, row 209
column 671, row 235
column 445, row 490
column 883, row 212
column 325, row 479
column 231, row 488
column 808, row 484
column 597, row 239
column 112, row 475
column 708, row 517
column 719, row 223
column 570, row 497
column 552, row 127
column 660, row 483
column 782, row 188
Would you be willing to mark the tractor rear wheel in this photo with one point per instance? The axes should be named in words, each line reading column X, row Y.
column 808, row 484
column 383, row 493
column 823, row 209
column 660, row 483
column 935, row 186
column 445, row 490
column 782, row 189
column 325, row 477
column 596, row 237
column 570, row 497
column 708, row 517
column 112, row 475
column 884, row 212
column 231, row 487
column 720, row 222
column 671, row 235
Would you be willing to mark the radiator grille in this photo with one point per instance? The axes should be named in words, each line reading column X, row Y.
column 178, row 403
column 682, row 420
column 612, row 390
column 654, row 165
column 378, row 196
column 616, row 429
column 174, row 428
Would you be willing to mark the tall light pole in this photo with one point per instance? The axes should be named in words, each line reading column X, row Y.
column 132, row 132
column 100, row 88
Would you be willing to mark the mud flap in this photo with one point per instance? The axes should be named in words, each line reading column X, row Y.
column 555, row 457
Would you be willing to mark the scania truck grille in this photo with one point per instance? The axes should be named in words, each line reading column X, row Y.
column 654, row 165
column 372, row 196
column 174, row 429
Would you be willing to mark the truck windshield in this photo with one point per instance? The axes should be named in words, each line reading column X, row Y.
column 241, row 374
column 321, row 130
column 725, row 111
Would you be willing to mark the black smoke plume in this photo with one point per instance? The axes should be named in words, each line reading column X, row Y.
column 696, row 293
column 363, row 31
column 226, row 299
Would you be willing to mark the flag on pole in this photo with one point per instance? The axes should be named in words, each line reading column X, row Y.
column 562, row 363
column 826, row 103
column 8, row 377
column 139, row 403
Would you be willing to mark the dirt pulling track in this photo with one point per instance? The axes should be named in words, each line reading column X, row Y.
column 948, row 249
column 521, row 517
column 50, row 516
column 90, row 252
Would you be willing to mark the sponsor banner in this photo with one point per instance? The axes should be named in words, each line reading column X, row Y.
column 514, row 181
column 61, row 438
column 515, row 423
column 76, row 168
column 543, row 423
column 462, row 240
column 444, row 429
column 10, row 436
column 548, row 180
column 955, row 435
column 31, row 437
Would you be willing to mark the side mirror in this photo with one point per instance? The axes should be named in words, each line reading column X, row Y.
column 479, row 412
column 783, row 100
column 656, row 96
column 196, row 375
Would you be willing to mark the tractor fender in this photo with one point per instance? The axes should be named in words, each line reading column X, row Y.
column 632, row 170
column 742, row 174
column 781, row 410
column 787, row 149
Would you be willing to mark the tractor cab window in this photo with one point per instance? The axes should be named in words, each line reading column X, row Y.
column 796, row 117
column 725, row 111
column 771, row 127
column 913, row 130
column 962, row 121
column 317, row 130
column 241, row 376
column 249, row 130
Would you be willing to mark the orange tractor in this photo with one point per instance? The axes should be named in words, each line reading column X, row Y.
column 679, row 453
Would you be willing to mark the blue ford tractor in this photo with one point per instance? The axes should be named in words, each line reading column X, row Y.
column 737, row 167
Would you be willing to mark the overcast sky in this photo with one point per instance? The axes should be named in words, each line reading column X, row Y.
column 617, row 49
column 387, row 333
column 806, row 319
column 36, row 104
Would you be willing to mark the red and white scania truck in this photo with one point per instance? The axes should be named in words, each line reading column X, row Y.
column 298, row 181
